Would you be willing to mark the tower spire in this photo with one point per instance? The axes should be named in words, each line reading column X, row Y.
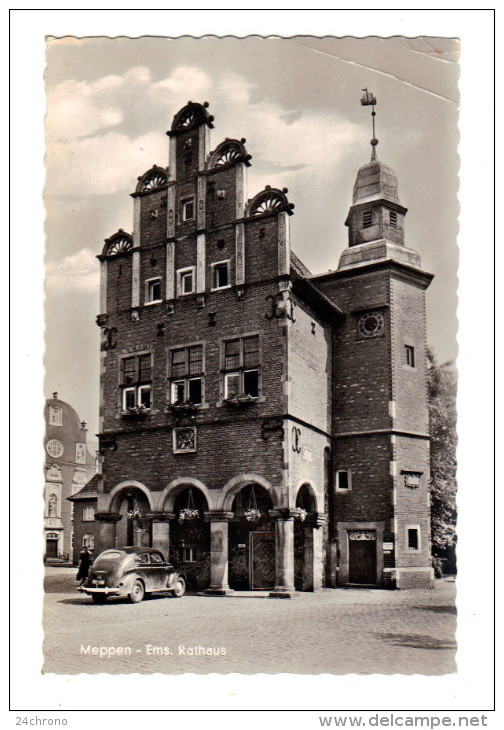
column 369, row 100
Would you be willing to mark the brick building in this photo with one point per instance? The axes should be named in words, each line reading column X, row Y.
column 263, row 426
column 68, row 466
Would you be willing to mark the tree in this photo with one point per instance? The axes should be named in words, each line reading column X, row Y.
column 442, row 390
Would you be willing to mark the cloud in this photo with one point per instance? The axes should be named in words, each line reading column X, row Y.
column 78, row 109
column 103, row 134
column 77, row 273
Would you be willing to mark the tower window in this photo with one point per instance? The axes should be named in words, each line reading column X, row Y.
column 409, row 353
column 343, row 480
column 413, row 538
column 393, row 218
column 187, row 208
column 367, row 219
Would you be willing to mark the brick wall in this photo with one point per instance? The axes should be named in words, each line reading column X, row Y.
column 409, row 328
column 309, row 368
column 362, row 376
column 412, row 505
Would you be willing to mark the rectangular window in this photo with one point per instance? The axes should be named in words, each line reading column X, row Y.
column 128, row 370
column 187, row 554
column 88, row 513
column 412, row 479
column 232, row 385
column 413, row 538
column 232, row 354
column 367, row 218
column 241, row 362
column 185, row 363
column 136, row 381
column 343, row 480
column 393, row 218
column 153, row 293
column 55, row 416
column 185, row 281
column 220, row 275
column 251, row 383
column 187, row 208
column 409, row 353
column 88, row 541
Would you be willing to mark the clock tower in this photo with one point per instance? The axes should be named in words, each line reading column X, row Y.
column 380, row 517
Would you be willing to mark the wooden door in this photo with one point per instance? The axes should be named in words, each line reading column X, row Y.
column 262, row 560
column 362, row 556
column 51, row 548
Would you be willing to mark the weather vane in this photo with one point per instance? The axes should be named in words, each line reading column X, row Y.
column 369, row 100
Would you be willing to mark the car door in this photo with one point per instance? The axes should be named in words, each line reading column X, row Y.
column 159, row 571
column 143, row 568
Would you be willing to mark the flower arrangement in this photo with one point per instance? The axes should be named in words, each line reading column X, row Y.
column 301, row 514
column 183, row 405
column 252, row 514
column 139, row 410
column 241, row 399
column 188, row 514
column 133, row 514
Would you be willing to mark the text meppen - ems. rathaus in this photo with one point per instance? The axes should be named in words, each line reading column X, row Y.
column 264, row 427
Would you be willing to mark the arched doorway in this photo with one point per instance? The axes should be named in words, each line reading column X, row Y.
column 190, row 537
column 133, row 529
column 252, row 540
column 303, row 539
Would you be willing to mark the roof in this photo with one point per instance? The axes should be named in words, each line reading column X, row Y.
column 375, row 181
column 297, row 266
column 89, row 490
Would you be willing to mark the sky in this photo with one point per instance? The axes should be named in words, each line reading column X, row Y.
column 297, row 103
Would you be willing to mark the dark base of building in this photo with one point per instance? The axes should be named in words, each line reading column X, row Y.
column 218, row 592
column 284, row 594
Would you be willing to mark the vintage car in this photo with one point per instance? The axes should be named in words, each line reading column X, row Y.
column 131, row 572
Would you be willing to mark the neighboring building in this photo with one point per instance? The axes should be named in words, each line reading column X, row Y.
column 84, row 509
column 263, row 427
column 68, row 466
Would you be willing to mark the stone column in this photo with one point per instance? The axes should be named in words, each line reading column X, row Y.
column 218, row 553
column 161, row 532
column 313, row 555
column 106, row 530
column 284, row 553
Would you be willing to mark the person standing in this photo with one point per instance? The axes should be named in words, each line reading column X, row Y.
column 84, row 563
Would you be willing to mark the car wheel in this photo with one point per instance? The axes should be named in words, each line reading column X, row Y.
column 179, row 588
column 137, row 592
column 99, row 598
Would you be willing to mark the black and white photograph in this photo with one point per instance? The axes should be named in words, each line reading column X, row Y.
column 251, row 362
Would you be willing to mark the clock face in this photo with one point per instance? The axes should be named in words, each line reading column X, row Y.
column 371, row 324
column 54, row 448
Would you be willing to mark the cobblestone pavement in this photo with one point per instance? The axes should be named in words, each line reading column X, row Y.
column 341, row 631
